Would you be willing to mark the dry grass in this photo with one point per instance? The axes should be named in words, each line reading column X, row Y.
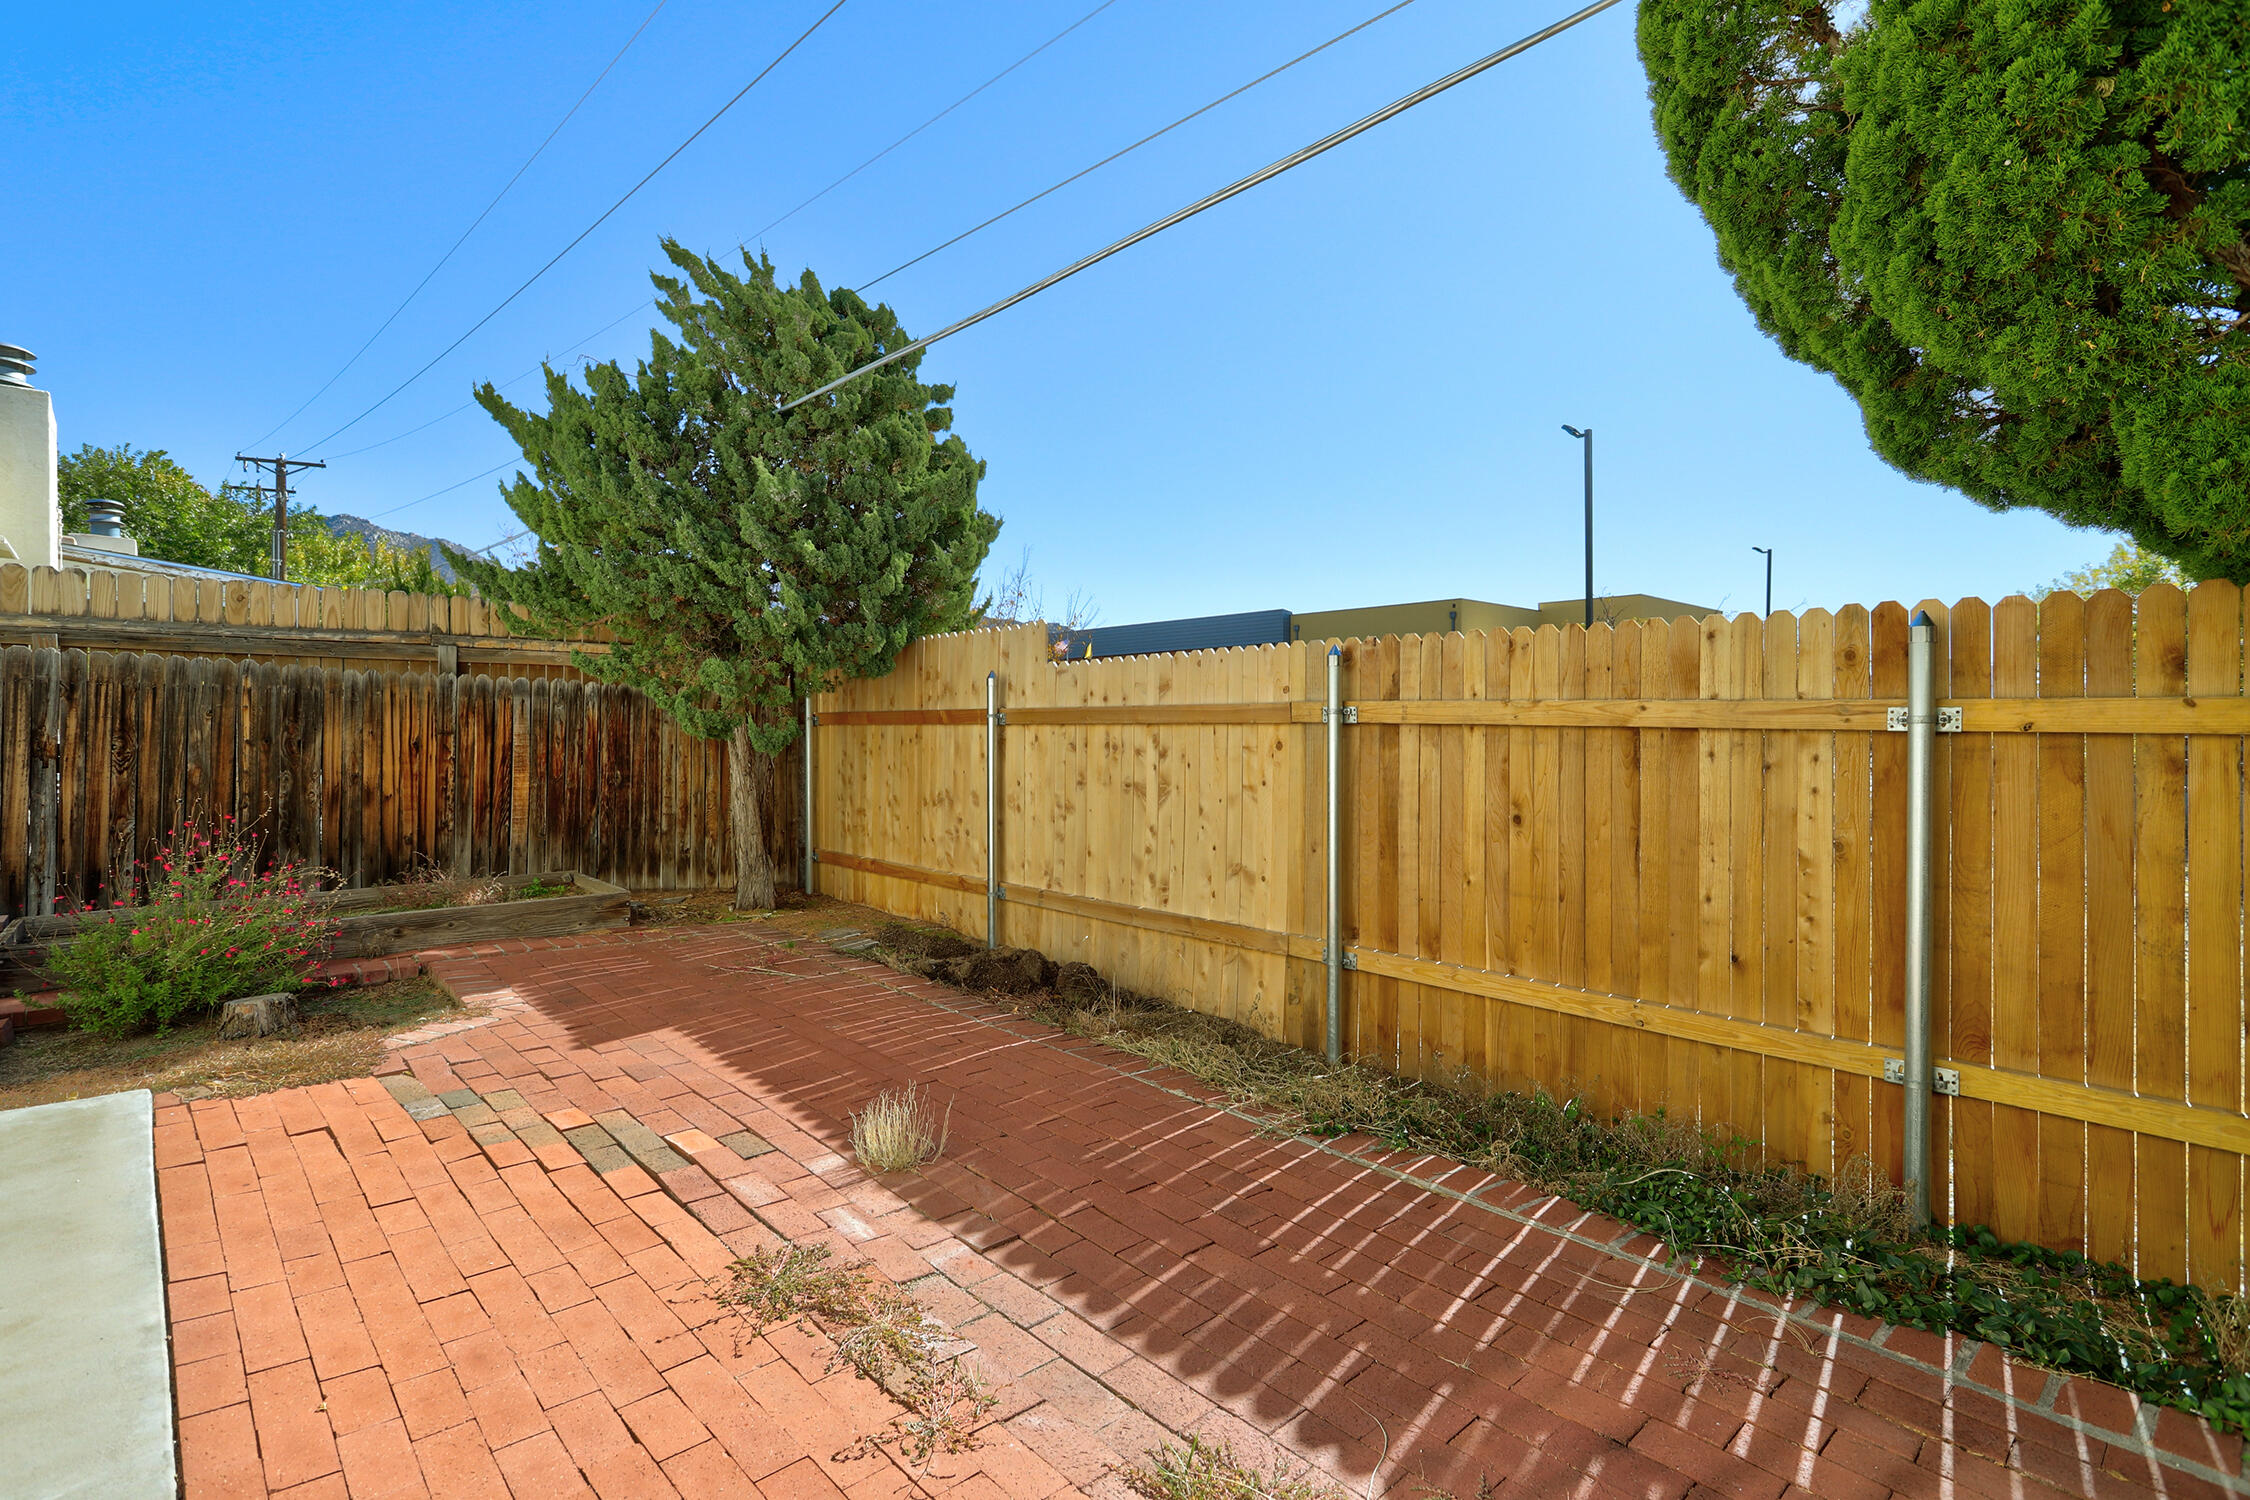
column 878, row 1330
column 2228, row 1319
column 1201, row 1470
column 429, row 885
column 342, row 1037
column 901, row 1130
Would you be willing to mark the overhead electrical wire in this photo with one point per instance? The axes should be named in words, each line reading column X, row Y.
column 1274, row 169
column 1211, row 200
column 529, row 281
column 449, row 489
column 917, row 130
column 539, row 151
column 1144, row 140
column 499, row 385
column 800, row 208
column 926, row 124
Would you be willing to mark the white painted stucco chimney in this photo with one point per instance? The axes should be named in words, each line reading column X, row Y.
column 30, row 506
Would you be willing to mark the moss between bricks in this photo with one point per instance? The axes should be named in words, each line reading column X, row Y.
column 1706, row 1193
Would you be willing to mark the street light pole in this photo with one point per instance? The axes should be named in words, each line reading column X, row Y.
column 1768, row 551
column 1586, row 435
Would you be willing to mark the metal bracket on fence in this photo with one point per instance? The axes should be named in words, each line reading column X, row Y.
column 1350, row 713
column 1948, row 720
column 1945, row 1081
column 1351, row 959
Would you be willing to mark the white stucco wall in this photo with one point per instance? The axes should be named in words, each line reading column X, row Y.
column 30, row 509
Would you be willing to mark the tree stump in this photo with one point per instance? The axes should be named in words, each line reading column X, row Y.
column 258, row 1015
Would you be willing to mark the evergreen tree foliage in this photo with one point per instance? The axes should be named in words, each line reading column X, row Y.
column 2017, row 231
column 744, row 557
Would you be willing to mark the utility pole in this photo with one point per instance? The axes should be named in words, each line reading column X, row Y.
column 281, row 464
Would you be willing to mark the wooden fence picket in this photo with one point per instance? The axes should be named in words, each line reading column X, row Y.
column 1660, row 864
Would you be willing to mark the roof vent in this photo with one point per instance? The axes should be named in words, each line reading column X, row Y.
column 15, row 364
column 105, row 517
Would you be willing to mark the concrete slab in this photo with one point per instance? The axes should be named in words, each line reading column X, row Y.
column 85, row 1367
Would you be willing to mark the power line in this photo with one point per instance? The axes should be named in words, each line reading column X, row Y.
column 1144, row 140
column 590, row 228
column 824, row 192
column 800, row 208
column 926, row 124
column 1065, row 182
column 472, row 229
column 500, row 385
column 449, row 489
column 1274, row 169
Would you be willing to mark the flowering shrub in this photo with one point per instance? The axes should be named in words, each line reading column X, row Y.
column 211, row 928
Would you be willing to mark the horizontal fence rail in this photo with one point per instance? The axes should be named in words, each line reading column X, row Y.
column 124, row 609
column 1661, row 864
column 103, row 757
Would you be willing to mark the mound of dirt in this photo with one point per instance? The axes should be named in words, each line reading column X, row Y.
column 1081, row 984
column 924, row 942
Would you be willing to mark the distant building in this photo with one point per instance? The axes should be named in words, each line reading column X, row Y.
column 1266, row 627
column 1257, row 627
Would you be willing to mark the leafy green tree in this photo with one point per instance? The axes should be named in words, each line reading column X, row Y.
column 744, row 557
column 2130, row 567
column 345, row 560
column 2017, row 231
column 166, row 510
column 176, row 519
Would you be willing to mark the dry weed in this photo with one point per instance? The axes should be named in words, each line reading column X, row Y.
column 878, row 1330
column 427, row 885
column 341, row 1037
column 2227, row 1317
column 902, row 1129
column 1202, row 1470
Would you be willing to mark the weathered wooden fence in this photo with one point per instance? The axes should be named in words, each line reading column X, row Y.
column 103, row 756
column 1662, row 863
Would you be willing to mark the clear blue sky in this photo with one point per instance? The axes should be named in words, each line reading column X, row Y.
column 1341, row 389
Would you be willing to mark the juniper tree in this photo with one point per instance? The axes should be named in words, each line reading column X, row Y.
column 743, row 557
column 2017, row 231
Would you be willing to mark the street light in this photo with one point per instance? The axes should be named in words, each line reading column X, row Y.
column 1587, row 436
column 1768, row 551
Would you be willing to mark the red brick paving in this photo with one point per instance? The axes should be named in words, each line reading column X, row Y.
column 364, row 1305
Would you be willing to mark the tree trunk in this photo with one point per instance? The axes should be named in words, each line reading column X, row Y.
column 749, row 795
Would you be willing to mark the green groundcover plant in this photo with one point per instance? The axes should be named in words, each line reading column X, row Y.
column 1719, row 1204
column 211, row 927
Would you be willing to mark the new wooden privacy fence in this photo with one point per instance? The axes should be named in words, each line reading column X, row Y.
column 1663, row 864
column 103, row 756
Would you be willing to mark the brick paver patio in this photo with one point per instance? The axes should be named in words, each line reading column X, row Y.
column 428, row 1286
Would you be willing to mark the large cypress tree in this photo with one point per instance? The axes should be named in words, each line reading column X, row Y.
column 2018, row 231
column 744, row 557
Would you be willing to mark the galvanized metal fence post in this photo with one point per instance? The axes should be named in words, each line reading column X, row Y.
column 1334, row 947
column 1921, row 749
column 992, row 809
column 810, row 882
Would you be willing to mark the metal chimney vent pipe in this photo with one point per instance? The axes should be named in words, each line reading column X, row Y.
column 106, row 517
column 15, row 364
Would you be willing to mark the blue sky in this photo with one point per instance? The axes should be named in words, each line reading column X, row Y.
column 1343, row 388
